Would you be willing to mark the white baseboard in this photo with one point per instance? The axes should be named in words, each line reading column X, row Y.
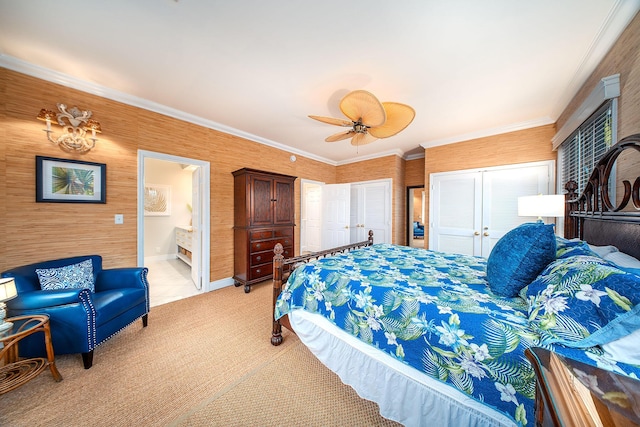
column 219, row 284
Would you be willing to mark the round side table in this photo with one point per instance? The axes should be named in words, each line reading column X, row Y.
column 16, row 371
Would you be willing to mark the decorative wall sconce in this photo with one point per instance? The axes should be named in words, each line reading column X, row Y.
column 76, row 123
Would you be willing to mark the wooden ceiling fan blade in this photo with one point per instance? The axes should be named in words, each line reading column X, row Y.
column 362, row 139
column 363, row 106
column 332, row 121
column 340, row 136
column 399, row 116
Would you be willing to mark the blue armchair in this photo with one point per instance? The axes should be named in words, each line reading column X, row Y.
column 418, row 230
column 80, row 319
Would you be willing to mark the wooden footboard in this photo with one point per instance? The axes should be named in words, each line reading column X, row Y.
column 282, row 268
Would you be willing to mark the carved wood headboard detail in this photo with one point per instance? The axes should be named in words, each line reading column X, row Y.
column 594, row 215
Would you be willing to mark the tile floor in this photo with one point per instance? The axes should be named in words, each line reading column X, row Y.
column 169, row 280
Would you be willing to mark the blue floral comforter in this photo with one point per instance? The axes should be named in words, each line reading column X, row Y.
column 435, row 312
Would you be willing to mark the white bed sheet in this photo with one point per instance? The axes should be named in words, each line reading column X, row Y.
column 403, row 394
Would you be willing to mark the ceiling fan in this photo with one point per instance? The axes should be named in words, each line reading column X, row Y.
column 369, row 119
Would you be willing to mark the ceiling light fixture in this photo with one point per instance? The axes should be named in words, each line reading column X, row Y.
column 76, row 123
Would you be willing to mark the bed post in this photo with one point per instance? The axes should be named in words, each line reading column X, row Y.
column 571, row 223
column 276, row 332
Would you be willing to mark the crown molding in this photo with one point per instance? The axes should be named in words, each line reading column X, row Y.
column 621, row 14
column 543, row 121
column 63, row 79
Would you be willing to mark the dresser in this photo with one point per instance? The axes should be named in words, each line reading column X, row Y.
column 264, row 214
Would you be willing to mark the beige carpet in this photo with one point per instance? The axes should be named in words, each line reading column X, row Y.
column 202, row 361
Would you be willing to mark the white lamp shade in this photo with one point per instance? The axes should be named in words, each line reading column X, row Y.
column 7, row 289
column 550, row 205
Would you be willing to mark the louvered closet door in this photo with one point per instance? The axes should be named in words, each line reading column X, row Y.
column 456, row 212
column 469, row 211
column 500, row 192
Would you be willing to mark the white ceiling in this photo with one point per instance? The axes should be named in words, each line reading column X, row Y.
column 257, row 68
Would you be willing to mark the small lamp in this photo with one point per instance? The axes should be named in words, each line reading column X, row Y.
column 7, row 292
column 542, row 205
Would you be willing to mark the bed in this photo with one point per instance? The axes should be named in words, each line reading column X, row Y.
column 439, row 339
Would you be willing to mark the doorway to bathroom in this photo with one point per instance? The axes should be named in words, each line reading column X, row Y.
column 173, row 225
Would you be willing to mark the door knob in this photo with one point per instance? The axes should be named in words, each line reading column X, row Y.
column 346, row 226
column 476, row 233
column 486, row 233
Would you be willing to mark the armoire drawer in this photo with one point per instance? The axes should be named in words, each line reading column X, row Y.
column 268, row 245
column 267, row 256
column 260, row 235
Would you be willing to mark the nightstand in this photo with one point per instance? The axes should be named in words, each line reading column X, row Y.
column 572, row 393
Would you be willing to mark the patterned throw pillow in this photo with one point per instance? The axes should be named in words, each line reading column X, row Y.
column 73, row 276
column 519, row 256
column 582, row 301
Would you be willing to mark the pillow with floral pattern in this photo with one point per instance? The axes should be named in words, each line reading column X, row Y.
column 582, row 301
column 566, row 248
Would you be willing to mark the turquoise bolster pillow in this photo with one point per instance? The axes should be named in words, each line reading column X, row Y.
column 519, row 256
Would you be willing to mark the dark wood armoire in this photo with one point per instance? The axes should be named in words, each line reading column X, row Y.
column 264, row 215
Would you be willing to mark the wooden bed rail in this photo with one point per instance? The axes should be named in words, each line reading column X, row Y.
column 282, row 268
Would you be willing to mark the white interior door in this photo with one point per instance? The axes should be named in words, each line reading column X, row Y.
column 471, row 210
column 456, row 212
column 311, row 217
column 336, row 201
column 500, row 192
column 196, row 234
column 357, row 219
column 373, row 211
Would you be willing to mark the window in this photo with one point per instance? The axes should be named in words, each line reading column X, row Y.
column 580, row 152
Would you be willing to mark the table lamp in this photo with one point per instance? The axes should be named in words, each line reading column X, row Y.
column 542, row 205
column 7, row 292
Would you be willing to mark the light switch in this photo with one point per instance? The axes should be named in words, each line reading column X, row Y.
column 119, row 219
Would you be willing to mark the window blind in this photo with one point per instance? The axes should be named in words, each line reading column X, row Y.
column 586, row 145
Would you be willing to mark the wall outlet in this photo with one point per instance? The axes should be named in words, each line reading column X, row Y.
column 119, row 219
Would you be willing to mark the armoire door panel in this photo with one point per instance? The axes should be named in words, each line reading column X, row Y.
column 283, row 208
column 261, row 204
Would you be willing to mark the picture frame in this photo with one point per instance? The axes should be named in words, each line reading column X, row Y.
column 70, row 181
column 157, row 200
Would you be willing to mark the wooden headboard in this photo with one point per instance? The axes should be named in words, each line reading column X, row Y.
column 608, row 210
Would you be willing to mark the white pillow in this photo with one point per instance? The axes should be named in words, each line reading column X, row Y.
column 603, row 251
column 625, row 349
column 623, row 260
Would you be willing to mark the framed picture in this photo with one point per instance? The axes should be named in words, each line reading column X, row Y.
column 70, row 181
column 157, row 200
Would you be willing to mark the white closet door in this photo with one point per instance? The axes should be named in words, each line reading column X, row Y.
column 471, row 210
column 500, row 192
column 311, row 218
column 377, row 212
column 336, row 201
column 455, row 206
column 356, row 223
